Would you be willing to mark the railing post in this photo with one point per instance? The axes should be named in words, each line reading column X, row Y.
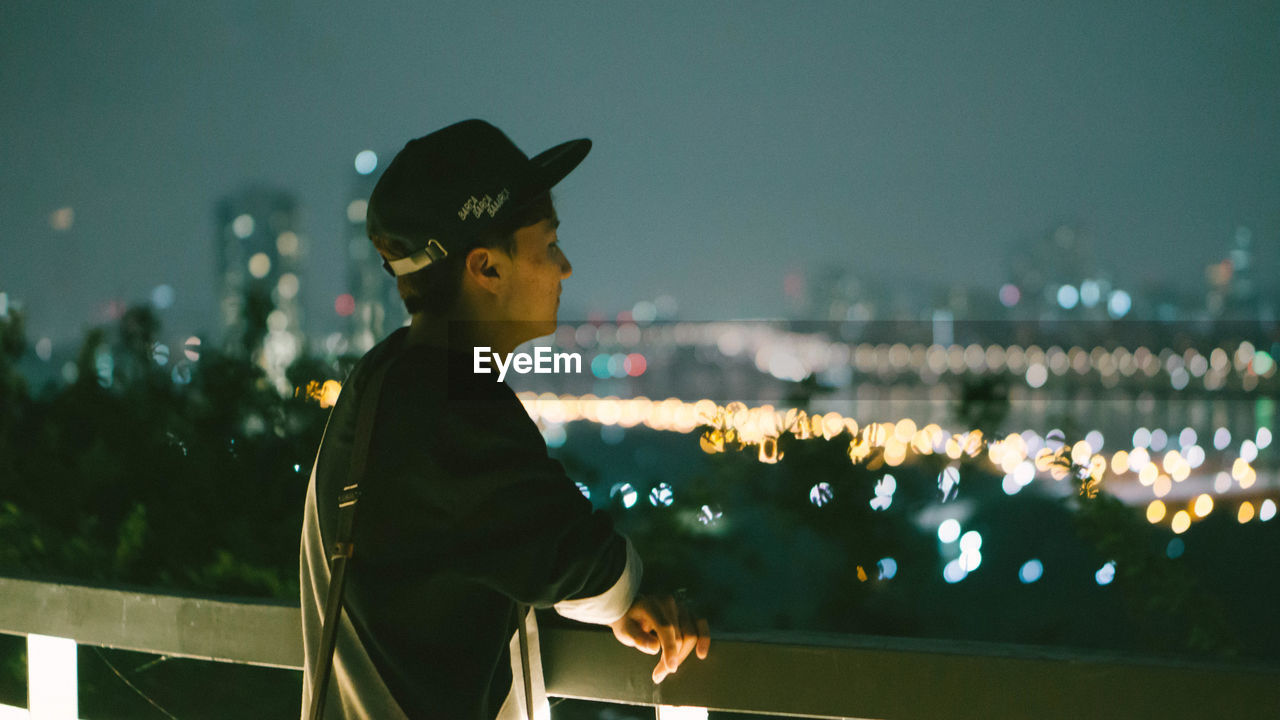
column 679, row 712
column 52, row 691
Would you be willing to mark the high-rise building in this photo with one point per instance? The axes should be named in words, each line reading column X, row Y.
column 259, row 261
column 373, row 307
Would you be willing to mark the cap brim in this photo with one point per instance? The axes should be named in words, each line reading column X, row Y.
column 551, row 166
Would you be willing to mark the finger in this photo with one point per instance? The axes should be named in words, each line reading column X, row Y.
column 704, row 639
column 669, row 633
column 636, row 637
column 660, row 672
column 688, row 634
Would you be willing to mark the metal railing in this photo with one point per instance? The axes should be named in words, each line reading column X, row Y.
column 786, row 674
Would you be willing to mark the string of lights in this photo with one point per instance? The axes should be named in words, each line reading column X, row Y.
column 1020, row 458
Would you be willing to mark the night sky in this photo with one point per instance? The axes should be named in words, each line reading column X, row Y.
column 916, row 143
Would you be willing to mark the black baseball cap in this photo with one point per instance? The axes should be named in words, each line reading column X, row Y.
column 444, row 189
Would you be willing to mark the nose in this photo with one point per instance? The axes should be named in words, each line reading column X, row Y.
column 566, row 268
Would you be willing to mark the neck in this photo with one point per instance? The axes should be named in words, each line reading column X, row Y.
column 458, row 332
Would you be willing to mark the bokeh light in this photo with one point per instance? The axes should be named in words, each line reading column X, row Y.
column 366, row 162
column 949, row 530
column 1181, row 522
column 820, row 494
column 1106, row 573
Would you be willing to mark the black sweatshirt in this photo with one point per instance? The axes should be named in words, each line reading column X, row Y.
column 462, row 517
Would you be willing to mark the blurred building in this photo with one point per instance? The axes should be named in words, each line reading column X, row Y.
column 372, row 306
column 259, row 259
column 1233, row 290
column 1056, row 277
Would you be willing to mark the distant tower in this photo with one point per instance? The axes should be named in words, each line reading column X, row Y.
column 1057, row 276
column 259, row 254
column 373, row 308
column 1232, row 290
column 1244, row 291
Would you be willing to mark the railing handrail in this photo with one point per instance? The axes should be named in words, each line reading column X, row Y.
column 803, row 675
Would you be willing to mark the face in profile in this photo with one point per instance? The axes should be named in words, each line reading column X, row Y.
column 539, row 266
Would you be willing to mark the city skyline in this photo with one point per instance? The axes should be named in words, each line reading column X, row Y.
column 734, row 145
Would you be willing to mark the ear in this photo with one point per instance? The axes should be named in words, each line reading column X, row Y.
column 486, row 268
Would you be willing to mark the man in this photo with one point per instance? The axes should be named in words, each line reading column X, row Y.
column 464, row 522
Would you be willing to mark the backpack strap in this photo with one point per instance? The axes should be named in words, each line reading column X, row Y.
column 343, row 548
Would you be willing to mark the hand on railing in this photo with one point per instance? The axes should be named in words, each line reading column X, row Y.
column 662, row 624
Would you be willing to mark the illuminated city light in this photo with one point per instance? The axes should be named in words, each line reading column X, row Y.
column 884, row 490
column 1090, row 293
column 661, row 495
column 1267, row 510
column 1155, row 511
column 62, row 219
column 582, row 488
column 949, row 530
column 1141, row 438
column 1181, row 522
column 1159, row 439
column 162, row 297
column 1118, row 304
column 1081, row 452
column 626, row 492
column 1095, row 440
column 1245, row 513
column 1037, row 375
column 1187, row 438
column 1120, row 462
column 329, row 393
column 949, row 482
column 708, row 515
column 287, row 286
column 1139, row 459
column 259, row 265
column 1149, row 474
column 44, row 348
column 242, row 226
column 736, row 426
column 821, row 494
column 191, row 348
column 1262, row 363
column 954, row 572
column 344, row 305
column 1162, row 486
column 1174, row 549
column 1203, row 505
column 356, row 210
column 366, row 162
column 1068, row 297
column 1031, row 571
column 287, row 243
column 1106, row 573
column 1264, row 438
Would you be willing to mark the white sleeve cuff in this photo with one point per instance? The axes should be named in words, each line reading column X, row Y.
column 613, row 603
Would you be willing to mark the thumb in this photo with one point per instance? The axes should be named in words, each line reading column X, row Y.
column 632, row 633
